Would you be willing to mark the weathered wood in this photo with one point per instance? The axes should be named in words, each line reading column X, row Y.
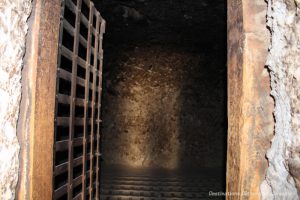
column 79, row 119
column 87, row 91
column 250, row 125
column 98, row 120
column 73, row 97
column 44, row 64
column 55, row 127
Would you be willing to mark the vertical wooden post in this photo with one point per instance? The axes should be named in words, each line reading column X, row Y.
column 250, row 125
column 73, row 98
column 87, row 91
column 99, row 89
column 44, row 51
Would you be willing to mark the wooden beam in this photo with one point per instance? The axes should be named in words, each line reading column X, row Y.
column 45, row 37
column 250, row 106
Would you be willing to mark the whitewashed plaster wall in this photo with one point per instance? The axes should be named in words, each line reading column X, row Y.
column 13, row 29
column 283, row 174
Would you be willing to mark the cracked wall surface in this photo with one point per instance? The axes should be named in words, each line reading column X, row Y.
column 13, row 29
column 283, row 174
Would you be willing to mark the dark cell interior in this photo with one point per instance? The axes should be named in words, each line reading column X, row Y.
column 163, row 133
column 164, row 99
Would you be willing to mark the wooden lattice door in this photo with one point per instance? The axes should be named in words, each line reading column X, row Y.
column 76, row 147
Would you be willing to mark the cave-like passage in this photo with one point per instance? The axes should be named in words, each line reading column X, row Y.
column 164, row 99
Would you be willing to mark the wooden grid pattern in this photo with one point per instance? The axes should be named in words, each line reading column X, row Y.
column 78, row 102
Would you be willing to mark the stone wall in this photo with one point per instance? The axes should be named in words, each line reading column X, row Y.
column 13, row 28
column 168, row 116
column 282, row 177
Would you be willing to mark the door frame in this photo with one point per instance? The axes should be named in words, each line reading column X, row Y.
column 250, row 106
column 37, row 121
column 37, row 112
column 249, row 128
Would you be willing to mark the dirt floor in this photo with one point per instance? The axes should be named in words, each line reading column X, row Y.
column 164, row 95
column 123, row 183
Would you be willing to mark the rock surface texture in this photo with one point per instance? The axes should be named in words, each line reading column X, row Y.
column 13, row 28
column 283, row 177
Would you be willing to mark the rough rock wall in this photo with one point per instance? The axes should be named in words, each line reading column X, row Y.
column 13, row 28
column 283, row 177
column 150, row 116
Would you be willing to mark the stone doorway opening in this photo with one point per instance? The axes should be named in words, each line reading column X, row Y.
column 164, row 107
column 150, row 99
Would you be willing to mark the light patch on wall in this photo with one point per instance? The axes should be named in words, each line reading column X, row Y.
column 142, row 148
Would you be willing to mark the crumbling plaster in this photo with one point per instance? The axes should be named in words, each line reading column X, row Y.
column 13, row 29
column 283, row 174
